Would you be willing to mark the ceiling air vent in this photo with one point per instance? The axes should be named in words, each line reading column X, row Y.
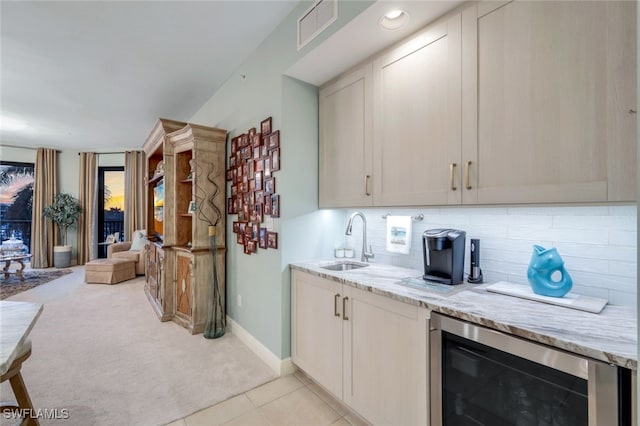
column 318, row 17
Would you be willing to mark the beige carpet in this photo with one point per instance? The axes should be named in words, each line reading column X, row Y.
column 100, row 352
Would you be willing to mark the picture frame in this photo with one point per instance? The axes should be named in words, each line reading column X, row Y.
column 193, row 207
column 250, row 169
column 258, row 180
column 244, row 140
column 246, row 152
column 259, row 213
column 264, row 150
column 242, row 226
column 229, row 175
column 267, row 167
column 272, row 240
column 268, row 205
column 259, row 165
column 275, row 205
column 251, row 247
column 275, row 160
column 251, row 133
column 230, row 205
column 274, row 140
column 262, row 238
column 265, row 126
column 269, row 185
column 234, row 190
column 248, row 233
column 259, row 197
column 246, row 247
column 255, row 231
column 232, row 162
column 240, row 238
column 236, row 227
column 256, row 140
column 256, row 153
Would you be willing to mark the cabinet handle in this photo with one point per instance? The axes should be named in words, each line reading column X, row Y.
column 452, row 167
column 366, row 185
column 335, row 304
column 344, row 309
column 468, row 166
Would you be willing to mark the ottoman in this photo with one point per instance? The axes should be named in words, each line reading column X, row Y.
column 109, row 271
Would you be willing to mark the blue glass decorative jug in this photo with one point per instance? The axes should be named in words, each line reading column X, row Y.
column 544, row 263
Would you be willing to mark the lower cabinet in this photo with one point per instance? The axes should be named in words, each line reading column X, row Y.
column 177, row 284
column 158, row 268
column 369, row 351
column 192, row 279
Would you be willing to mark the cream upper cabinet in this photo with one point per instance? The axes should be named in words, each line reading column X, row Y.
column 416, row 118
column 345, row 141
column 368, row 350
column 546, row 97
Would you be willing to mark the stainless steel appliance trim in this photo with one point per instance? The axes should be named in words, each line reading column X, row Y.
column 563, row 361
column 601, row 377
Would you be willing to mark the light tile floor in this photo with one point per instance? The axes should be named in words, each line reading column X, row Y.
column 289, row 400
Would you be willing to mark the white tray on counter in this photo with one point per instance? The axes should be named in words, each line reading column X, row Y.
column 569, row 300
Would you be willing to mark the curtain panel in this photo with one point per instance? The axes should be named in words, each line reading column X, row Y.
column 135, row 193
column 87, row 223
column 45, row 186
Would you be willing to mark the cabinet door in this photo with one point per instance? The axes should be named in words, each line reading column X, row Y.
column 385, row 359
column 547, row 89
column 183, row 284
column 316, row 329
column 345, row 141
column 417, row 115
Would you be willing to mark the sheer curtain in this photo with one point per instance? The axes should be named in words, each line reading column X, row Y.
column 87, row 223
column 134, row 192
column 45, row 187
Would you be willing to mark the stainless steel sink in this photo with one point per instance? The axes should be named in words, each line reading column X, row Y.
column 344, row 266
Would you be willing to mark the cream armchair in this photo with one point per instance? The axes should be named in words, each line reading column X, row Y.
column 124, row 251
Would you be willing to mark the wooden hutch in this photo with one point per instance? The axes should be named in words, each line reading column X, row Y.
column 185, row 193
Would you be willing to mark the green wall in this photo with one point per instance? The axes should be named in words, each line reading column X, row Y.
column 256, row 90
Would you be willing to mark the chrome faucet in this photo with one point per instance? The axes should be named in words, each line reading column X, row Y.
column 366, row 255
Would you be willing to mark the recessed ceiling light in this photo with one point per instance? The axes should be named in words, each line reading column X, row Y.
column 393, row 14
column 394, row 19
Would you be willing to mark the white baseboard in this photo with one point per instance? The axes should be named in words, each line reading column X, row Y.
column 281, row 367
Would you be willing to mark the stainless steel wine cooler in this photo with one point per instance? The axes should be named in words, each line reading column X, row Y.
column 480, row 376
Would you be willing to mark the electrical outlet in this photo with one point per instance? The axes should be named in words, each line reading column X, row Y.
column 239, row 300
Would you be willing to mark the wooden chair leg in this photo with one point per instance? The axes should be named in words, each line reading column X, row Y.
column 24, row 401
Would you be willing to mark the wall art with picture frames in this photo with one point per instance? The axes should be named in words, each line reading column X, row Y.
column 254, row 157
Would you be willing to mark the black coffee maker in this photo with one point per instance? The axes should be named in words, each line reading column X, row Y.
column 443, row 251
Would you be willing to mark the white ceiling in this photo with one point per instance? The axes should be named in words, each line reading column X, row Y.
column 96, row 75
column 363, row 36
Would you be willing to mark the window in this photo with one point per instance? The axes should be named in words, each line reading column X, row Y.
column 110, row 205
column 16, row 201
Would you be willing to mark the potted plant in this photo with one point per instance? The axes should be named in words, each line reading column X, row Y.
column 64, row 212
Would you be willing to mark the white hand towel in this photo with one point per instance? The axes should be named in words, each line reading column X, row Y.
column 399, row 234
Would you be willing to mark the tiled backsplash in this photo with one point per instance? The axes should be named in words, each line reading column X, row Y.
column 597, row 243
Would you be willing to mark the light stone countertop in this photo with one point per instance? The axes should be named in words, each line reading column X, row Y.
column 16, row 321
column 609, row 336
